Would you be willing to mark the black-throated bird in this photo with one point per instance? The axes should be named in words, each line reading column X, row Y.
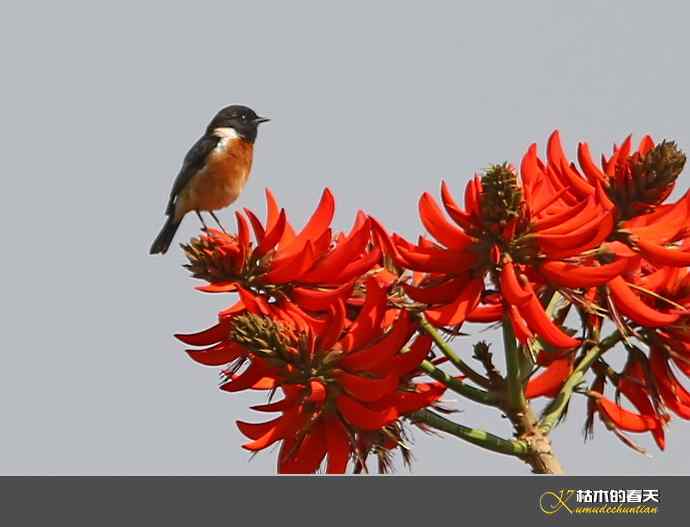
column 213, row 172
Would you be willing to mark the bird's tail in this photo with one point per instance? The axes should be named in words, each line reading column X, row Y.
column 165, row 237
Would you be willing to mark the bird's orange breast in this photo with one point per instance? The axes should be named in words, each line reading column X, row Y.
column 221, row 180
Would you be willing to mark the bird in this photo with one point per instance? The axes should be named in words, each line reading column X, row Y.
column 214, row 171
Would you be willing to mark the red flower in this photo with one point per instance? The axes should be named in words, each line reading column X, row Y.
column 311, row 269
column 649, row 415
column 346, row 382
column 549, row 382
column 635, row 181
column 514, row 234
column 669, row 343
column 293, row 277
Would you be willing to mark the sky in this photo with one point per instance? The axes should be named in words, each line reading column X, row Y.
column 377, row 101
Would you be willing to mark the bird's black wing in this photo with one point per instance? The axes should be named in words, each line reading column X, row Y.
column 193, row 162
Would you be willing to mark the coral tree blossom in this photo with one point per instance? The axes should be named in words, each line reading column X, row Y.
column 558, row 253
column 312, row 321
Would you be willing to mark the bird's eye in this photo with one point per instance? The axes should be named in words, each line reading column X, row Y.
column 244, row 117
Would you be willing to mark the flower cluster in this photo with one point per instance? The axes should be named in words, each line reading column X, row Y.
column 556, row 252
column 313, row 321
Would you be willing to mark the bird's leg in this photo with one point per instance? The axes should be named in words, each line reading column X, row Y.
column 201, row 219
column 213, row 215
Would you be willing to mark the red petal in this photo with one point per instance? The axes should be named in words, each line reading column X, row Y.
column 578, row 184
column 284, row 426
column 529, row 169
column 631, row 385
column 343, row 254
column 484, row 314
column 368, row 389
column 554, row 149
column 425, row 395
column 406, row 363
column 435, row 260
column 383, row 350
column 539, row 322
column 334, row 327
column 646, row 144
column 522, row 331
column 362, row 417
column 309, row 455
column 578, row 220
column 242, row 238
column 319, row 299
column 278, row 406
column 657, row 280
column 442, row 293
column 257, row 227
column 249, row 301
column 434, row 222
column 660, row 255
column 358, row 267
column 625, row 419
column 292, row 268
column 247, row 379
column 549, row 382
column 265, row 383
column 222, row 353
column 338, row 444
column 229, row 312
column 272, row 210
column 663, row 372
column 273, row 236
column 317, row 392
column 384, row 241
column 459, row 216
column 633, row 307
column 558, row 218
column 576, row 276
column 367, row 324
column 584, row 156
column 256, row 430
column 218, row 287
column 511, row 289
column 666, row 227
column 603, row 231
column 455, row 313
column 207, row 337
column 473, row 191
column 574, row 238
column 315, row 227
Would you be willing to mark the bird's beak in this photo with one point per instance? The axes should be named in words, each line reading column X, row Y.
column 260, row 120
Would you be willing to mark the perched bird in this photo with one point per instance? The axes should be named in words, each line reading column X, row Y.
column 213, row 172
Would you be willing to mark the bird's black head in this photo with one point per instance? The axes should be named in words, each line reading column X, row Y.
column 241, row 119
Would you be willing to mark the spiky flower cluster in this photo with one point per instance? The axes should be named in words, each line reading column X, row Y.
column 557, row 254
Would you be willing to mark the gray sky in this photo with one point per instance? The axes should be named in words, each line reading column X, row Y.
column 378, row 101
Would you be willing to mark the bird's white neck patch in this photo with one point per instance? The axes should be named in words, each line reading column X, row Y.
column 226, row 135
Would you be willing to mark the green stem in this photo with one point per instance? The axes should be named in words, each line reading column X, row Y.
column 459, row 387
column 515, row 392
column 453, row 357
column 554, row 302
column 553, row 411
column 475, row 436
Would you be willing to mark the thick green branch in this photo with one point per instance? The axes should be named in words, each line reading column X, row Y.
column 475, row 394
column 553, row 412
column 453, row 357
column 516, row 394
column 475, row 436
